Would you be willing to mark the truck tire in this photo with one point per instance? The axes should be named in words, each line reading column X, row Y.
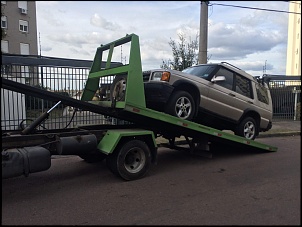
column 247, row 128
column 118, row 88
column 181, row 105
column 130, row 160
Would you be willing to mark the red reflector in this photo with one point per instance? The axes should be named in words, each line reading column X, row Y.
column 136, row 110
column 247, row 142
column 184, row 124
column 217, row 134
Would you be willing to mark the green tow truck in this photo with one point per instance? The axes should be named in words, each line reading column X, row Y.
column 129, row 149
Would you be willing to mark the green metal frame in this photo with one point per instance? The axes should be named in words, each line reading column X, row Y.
column 135, row 93
column 135, row 97
column 113, row 137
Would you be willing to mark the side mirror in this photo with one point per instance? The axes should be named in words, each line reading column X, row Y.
column 218, row 78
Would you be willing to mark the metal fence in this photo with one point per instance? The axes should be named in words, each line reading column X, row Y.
column 286, row 96
column 68, row 77
column 62, row 76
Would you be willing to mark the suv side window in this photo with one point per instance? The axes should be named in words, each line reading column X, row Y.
column 229, row 78
column 243, row 86
column 202, row 71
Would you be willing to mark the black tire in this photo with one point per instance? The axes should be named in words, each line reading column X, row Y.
column 247, row 128
column 92, row 158
column 182, row 105
column 118, row 88
column 131, row 160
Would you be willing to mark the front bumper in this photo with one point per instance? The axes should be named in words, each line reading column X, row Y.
column 157, row 93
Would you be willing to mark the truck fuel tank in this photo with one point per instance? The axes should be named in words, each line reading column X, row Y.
column 18, row 161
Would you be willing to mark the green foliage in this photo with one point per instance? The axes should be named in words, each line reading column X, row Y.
column 184, row 54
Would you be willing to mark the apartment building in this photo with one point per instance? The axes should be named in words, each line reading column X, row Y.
column 293, row 64
column 18, row 22
column 19, row 37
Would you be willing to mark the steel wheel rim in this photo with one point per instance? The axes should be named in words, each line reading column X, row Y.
column 135, row 160
column 183, row 107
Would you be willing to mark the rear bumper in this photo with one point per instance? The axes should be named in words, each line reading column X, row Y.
column 269, row 126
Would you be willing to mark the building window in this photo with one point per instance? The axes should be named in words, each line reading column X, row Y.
column 23, row 26
column 22, row 4
column 24, row 48
column 3, row 22
column 3, row 2
column 4, row 46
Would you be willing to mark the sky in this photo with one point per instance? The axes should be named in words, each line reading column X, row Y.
column 253, row 40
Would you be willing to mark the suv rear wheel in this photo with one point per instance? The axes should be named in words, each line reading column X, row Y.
column 182, row 105
column 247, row 128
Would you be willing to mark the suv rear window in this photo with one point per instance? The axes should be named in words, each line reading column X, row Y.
column 262, row 93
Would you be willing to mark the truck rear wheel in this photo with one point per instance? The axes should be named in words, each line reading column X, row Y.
column 131, row 160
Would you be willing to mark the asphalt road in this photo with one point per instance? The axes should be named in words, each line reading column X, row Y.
column 234, row 187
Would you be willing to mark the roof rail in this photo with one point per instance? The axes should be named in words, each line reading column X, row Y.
column 223, row 62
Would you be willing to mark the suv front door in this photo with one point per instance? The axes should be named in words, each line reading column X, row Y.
column 229, row 98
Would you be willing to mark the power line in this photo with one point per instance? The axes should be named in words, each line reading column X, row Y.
column 245, row 7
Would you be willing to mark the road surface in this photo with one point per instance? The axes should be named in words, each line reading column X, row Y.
column 234, row 187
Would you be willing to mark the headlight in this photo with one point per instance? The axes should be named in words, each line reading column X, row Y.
column 161, row 76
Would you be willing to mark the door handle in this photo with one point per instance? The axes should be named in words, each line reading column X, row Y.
column 232, row 94
column 250, row 102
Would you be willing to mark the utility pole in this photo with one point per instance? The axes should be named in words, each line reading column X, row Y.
column 203, row 33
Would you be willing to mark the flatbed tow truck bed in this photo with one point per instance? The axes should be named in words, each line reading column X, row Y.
column 129, row 149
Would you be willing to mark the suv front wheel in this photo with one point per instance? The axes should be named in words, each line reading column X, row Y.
column 247, row 128
column 181, row 105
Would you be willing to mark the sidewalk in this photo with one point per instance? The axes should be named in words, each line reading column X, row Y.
column 283, row 128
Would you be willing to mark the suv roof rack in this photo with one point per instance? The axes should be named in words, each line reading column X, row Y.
column 223, row 62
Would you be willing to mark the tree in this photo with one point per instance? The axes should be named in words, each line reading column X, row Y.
column 184, row 54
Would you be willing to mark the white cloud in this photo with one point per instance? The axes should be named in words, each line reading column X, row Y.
column 237, row 35
column 101, row 22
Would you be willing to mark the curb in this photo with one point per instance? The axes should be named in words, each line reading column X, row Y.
column 280, row 134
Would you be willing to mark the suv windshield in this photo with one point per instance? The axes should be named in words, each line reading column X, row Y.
column 202, row 71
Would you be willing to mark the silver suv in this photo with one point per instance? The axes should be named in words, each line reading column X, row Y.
column 218, row 95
